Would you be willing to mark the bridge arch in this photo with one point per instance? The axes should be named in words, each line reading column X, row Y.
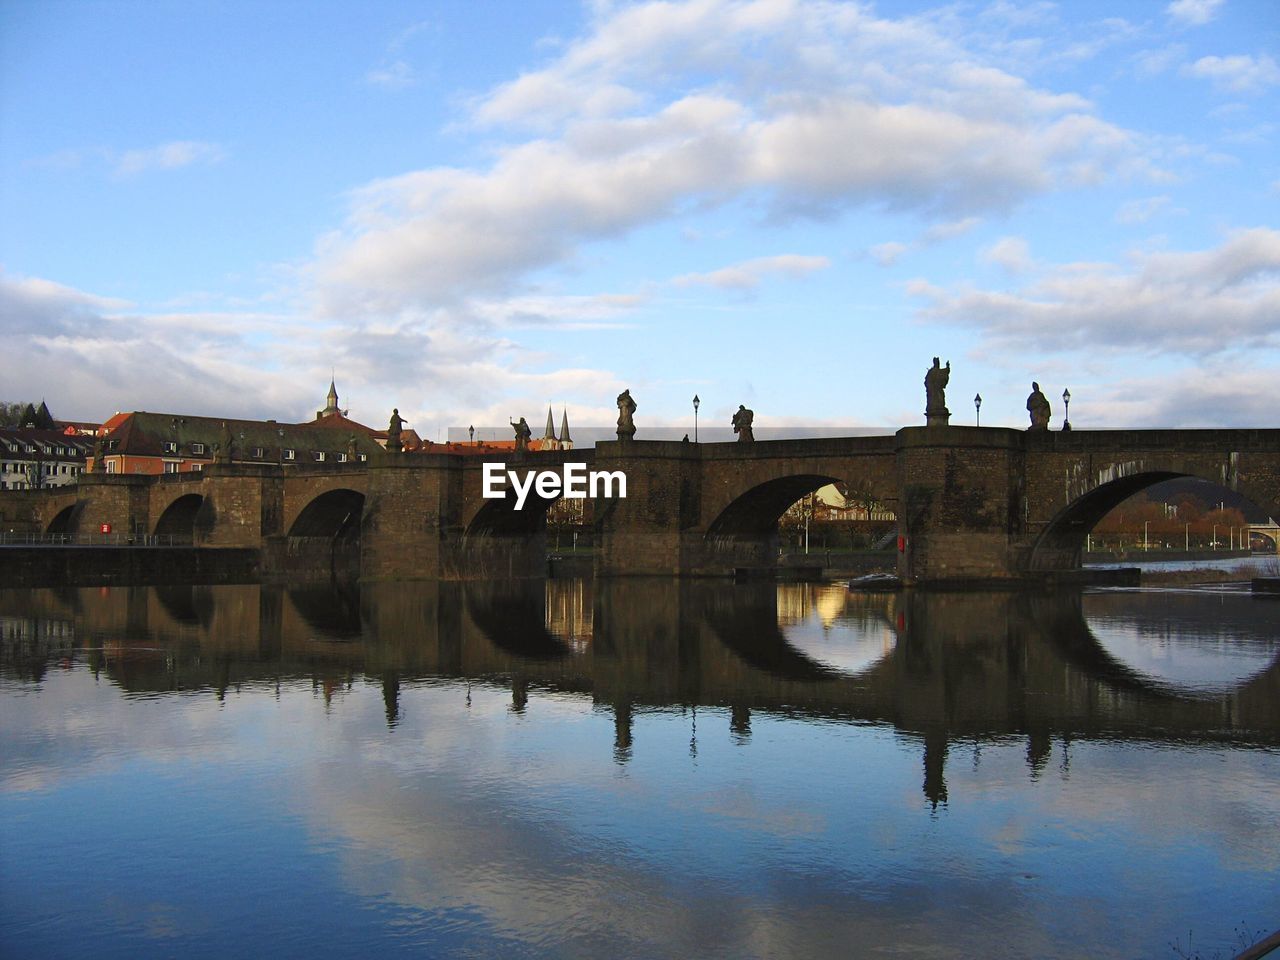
column 1060, row 545
column 745, row 523
column 498, row 517
column 334, row 514
column 181, row 517
column 756, row 512
column 67, row 520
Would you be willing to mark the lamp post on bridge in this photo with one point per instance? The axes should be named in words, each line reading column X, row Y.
column 471, row 432
column 1066, row 409
column 696, row 403
column 977, row 408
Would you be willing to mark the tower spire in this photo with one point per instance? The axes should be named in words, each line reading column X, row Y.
column 551, row 428
column 331, row 401
column 566, row 441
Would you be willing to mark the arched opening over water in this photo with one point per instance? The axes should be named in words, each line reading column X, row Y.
column 335, row 514
column 327, row 532
column 500, row 518
column 1151, row 513
column 804, row 511
column 179, row 519
column 67, row 520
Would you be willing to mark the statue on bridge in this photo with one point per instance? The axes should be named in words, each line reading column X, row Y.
column 523, row 433
column 222, row 452
column 742, row 421
column 1038, row 407
column 626, row 409
column 936, row 413
column 99, row 448
column 393, row 431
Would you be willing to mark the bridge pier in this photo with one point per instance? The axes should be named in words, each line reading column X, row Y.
column 121, row 502
column 656, row 529
column 962, row 489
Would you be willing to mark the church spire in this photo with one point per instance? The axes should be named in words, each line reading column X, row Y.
column 551, row 427
column 331, row 402
column 566, row 441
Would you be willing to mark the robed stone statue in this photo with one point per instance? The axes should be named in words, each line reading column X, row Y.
column 742, row 421
column 626, row 410
column 1038, row 407
column 523, row 433
column 393, row 431
column 935, row 391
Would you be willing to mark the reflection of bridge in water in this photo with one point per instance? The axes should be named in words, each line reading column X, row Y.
column 953, row 667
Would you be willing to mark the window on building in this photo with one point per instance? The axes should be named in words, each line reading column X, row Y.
column 197, row 467
column 342, row 458
column 197, row 448
column 171, row 466
column 170, row 446
column 111, row 466
column 364, row 457
column 318, row 456
column 290, row 454
column 257, row 453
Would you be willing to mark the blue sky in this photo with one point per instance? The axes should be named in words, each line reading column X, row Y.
column 470, row 211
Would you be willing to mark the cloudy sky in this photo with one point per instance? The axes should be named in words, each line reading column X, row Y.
column 470, row 211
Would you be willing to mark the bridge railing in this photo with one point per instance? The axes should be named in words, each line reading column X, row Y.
column 94, row 540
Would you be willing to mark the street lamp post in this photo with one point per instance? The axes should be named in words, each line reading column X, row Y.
column 471, row 432
column 1145, row 524
column 696, row 403
column 977, row 408
column 1066, row 409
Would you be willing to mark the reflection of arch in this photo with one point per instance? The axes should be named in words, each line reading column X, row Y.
column 1069, row 632
column 332, row 611
column 745, row 620
column 513, row 615
column 335, row 513
column 755, row 513
column 67, row 520
column 186, row 604
column 179, row 518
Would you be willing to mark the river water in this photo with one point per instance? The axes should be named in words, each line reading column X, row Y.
column 636, row 769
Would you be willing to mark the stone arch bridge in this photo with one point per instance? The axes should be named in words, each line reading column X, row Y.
column 973, row 503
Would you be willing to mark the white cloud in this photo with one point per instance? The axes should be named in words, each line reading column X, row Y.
column 1206, row 395
column 1008, row 253
column 1239, row 74
column 748, row 274
column 168, row 156
column 888, row 253
column 1152, row 63
column 816, row 108
column 392, row 76
column 1193, row 13
column 942, row 232
column 1194, row 304
column 1142, row 210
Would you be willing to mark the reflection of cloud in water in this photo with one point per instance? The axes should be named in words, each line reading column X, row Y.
column 823, row 622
